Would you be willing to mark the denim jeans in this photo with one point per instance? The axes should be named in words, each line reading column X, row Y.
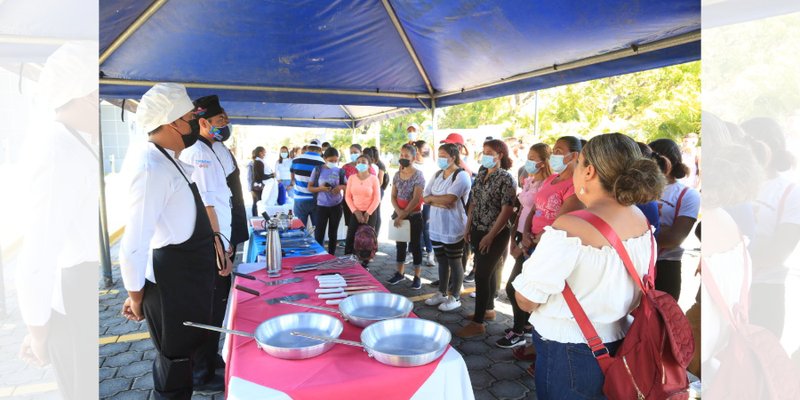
column 568, row 370
column 304, row 209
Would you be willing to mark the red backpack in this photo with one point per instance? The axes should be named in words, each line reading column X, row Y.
column 753, row 364
column 651, row 362
column 365, row 243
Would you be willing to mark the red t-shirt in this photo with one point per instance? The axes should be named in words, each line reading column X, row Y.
column 548, row 202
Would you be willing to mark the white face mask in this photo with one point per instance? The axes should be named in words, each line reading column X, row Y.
column 331, row 164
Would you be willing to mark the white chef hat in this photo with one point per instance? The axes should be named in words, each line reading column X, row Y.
column 69, row 73
column 162, row 104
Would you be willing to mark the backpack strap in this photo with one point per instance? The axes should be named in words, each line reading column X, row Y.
column 595, row 342
column 716, row 295
column 678, row 203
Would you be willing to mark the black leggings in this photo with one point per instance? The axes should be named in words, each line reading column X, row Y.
column 486, row 267
column 416, row 233
column 256, row 199
column 668, row 277
column 451, row 271
column 328, row 216
column 351, row 232
column 520, row 317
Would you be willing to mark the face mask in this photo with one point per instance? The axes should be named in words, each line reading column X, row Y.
column 443, row 163
column 412, row 136
column 191, row 138
column 404, row 162
column 331, row 164
column 488, row 162
column 284, row 155
column 361, row 167
column 354, row 156
column 530, row 167
column 557, row 163
column 220, row 134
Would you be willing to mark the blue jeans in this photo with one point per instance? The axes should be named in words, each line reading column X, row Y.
column 568, row 370
column 286, row 183
column 304, row 209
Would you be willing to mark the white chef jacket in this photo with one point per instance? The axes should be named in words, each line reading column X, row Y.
column 225, row 157
column 209, row 174
column 161, row 212
column 57, row 163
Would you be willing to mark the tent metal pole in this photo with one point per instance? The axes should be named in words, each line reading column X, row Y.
column 413, row 54
column 433, row 127
column 131, row 29
column 536, row 113
column 345, row 120
column 611, row 56
column 271, row 89
column 105, row 246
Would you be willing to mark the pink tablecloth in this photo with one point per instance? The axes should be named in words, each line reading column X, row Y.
column 345, row 372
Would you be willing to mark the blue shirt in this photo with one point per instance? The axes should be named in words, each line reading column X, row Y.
column 650, row 210
column 302, row 166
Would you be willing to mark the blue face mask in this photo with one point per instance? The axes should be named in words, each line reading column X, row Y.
column 354, row 156
column 331, row 164
column 530, row 167
column 488, row 161
column 361, row 167
column 443, row 163
column 557, row 163
column 284, row 155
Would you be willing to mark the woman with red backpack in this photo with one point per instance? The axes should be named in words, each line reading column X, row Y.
column 362, row 195
column 610, row 176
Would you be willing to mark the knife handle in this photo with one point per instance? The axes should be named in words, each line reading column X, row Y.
column 333, row 295
column 330, row 290
column 245, row 276
column 248, row 290
column 334, row 302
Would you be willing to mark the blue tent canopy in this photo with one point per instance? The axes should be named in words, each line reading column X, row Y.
column 382, row 53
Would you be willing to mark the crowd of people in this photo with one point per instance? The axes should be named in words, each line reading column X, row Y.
column 454, row 211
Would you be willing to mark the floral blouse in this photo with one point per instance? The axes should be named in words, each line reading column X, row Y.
column 490, row 196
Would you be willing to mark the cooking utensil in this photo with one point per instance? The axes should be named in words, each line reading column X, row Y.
column 344, row 289
column 248, row 290
column 336, row 263
column 293, row 297
column 281, row 281
column 245, row 276
column 274, row 337
column 367, row 308
column 400, row 342
column 344, row 283
column 339, row 295
column 273, row 250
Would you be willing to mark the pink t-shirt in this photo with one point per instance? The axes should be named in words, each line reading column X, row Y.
column 548, row 202
column 527, row 199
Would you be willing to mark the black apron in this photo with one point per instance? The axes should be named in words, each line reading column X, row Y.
column 185, row 275
column 239, row 232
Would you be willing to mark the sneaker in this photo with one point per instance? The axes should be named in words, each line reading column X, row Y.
column 511, row 340
column 430, row 260
column 434, row 283
column 417, row 283
column 436, row 299
column 470, row 277
column 394, row 280
column 527, row 332
column 473, row 295
column 451, row 304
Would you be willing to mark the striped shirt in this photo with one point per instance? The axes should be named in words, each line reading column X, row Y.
column 302, row 166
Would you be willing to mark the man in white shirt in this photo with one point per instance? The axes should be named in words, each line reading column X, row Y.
column 210, row 175
column 169, row 255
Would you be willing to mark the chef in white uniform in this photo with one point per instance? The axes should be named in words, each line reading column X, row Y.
column 169, row 254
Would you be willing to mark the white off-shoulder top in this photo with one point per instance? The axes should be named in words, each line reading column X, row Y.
column 597, row 277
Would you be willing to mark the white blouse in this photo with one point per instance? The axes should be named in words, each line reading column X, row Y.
column 597, row 277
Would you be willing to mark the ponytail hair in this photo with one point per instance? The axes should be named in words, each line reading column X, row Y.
column 670, row 150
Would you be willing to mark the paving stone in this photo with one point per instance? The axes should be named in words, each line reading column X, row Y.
column 497, row 328
column 22, row 376
column 138, row 368
column 126, row 328
column 528, row 382
column 475, row 362
column 475, row 347
column 506, row 371
column 143, row 382
column 113, row 349
column 132, row 395
column 480, row 379
column 121, row 360
column 113, row 386
column 449, row 317
column 106, row 373
column 150, row 355
column 484, row 395
column 508, row 390
column 499, row 354
column 142, row 345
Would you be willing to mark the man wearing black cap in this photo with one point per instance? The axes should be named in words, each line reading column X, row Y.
column 210, row 175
